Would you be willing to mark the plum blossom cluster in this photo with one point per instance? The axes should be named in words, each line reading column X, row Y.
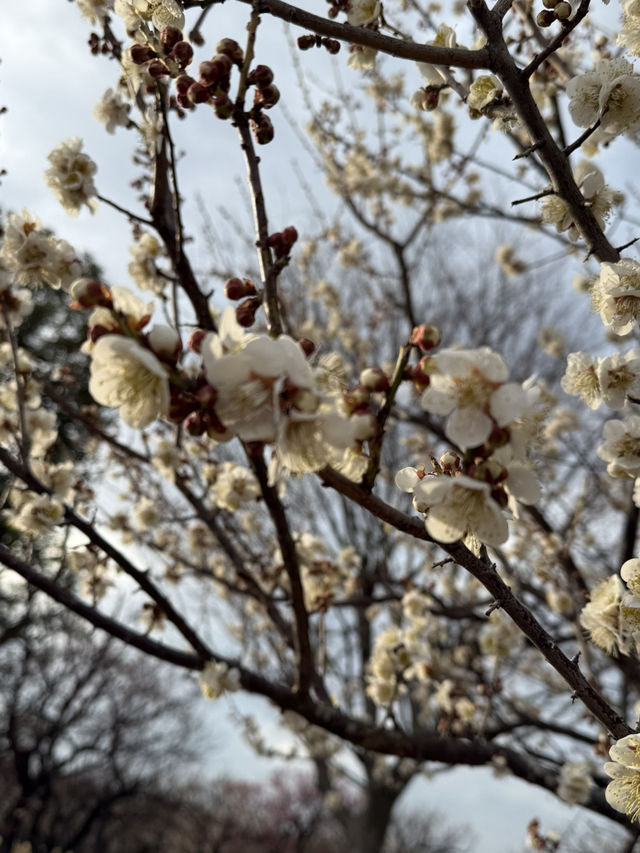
column 31, row 257
column 611, row 380
column 609, row 94
column 71, row 177
column 616, row 295
column 597, row 194
column 465, row 495
column 623, row 792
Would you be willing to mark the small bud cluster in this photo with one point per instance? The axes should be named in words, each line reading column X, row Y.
column 337, row 6
column 282, row 241
column 308, row 41
column 265, row 97
column 169, row 57
column 425, row 337
column 555, row 10
column 215, row 80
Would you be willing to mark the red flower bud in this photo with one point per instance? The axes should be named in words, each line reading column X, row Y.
column 183, row 83
column 246, row 311
column 157, row 69
column 306, row 42
column 198, row 94
column 195, row 340
column 141, row 53
column 374, row 379
column 262, row 129
column 238, row 288
column 425, row 336
column 331, row 45
column 182, row 53
column 169, row 38
column 231, row 49
column 260, row 76
column 308, row 347
column 267, row 97
column 223, row 106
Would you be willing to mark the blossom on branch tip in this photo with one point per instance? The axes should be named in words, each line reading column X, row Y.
column 470, row 386
column 71, row 176
column 623, row 792
column 616, row 295
column 127, row 376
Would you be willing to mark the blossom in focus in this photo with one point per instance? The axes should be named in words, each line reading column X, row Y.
column 601, row 616
column 161, row 13
column 33, row 257
column 599, row 196
column 127, row 376
column 470, row 386
column 611, row 93
column 459, row 506
column 484, row 89
column 71, row 176
column 112, row 111
column 621, row 447
column 616, row 295
column 619, row 378
column 581, row 379
column 623, row 792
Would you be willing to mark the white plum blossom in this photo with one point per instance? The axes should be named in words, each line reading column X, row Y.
column 623, row 792
column 435, row 74
column 601, row 616
column 34, row 258
column 71, row 176
column 363, row 12
column 630, row 574
column 484, row 89
column 629, row 35
column 459, row 506
column 234, row 487
column 362, row 58
column 142, row 268
column 616, row 295
column 581, row 379
column 599, row 196
column 619, row 378
column 267, row 391
column 611, row 93
column 217, row 679
column 38, row 515
column 161, row 13
column 125, row 375
column 470, row 386
column 621, row 447
column 574, row 782
column 112, row 111
column 94, row 10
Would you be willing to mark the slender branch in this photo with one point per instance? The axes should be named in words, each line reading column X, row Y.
column 268, row 270
column 306, row 667
column 558, row 40
column 582, row 138
column 456, row 57
column 128, row 213
column 485, row 572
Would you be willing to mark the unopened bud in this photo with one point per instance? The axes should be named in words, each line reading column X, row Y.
column 207, row 396
column 563, row 10
column 357, row 399
column 238, row 288
column 545, row 18
column 157, row 69
column 260, row 76
column 422, row 372
column 375, row 379
column 425, row 336
column 87, row 293
column 183, row 83
column 262, row 130
column 223, row 106
column 231, row 49
column 183, row 53
column 165, row 343
column 450, row 462
column 364, row 426
column 169, row 38
column 195, row 340
column 140, row 54
column 198, row 94
column 246, row 311
column 267, row 97
column 306, row 42
column 195, row 424
column 308, row 347
column 331, row 45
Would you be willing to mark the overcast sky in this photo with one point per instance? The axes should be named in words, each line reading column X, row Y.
column 49, row 82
